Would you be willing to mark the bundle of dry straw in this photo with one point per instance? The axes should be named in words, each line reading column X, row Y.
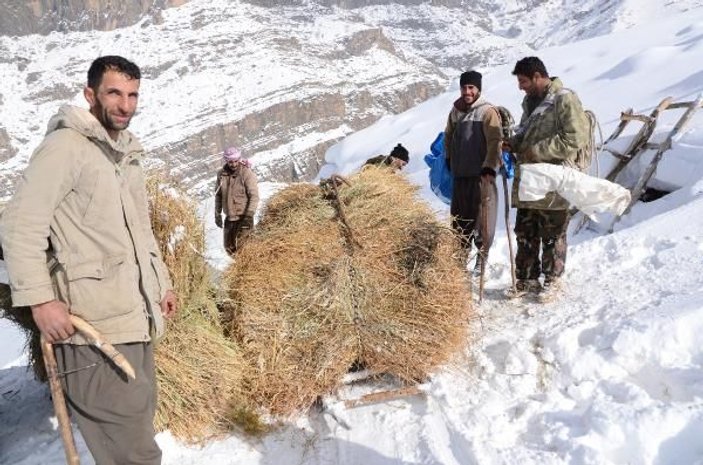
column 199, row 370
column 353, row 273
column 22, row 317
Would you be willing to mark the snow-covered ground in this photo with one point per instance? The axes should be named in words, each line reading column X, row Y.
column 610, row 374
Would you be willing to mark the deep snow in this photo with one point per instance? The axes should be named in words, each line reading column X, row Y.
column 610, row 374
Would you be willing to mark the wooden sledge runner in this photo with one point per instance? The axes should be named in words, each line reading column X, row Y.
column 384, row 396
column 57, row 395
column 378, row 396
column 384, row 393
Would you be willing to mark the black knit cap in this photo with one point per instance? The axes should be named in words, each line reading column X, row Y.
column 400, row 152
column 470, row 78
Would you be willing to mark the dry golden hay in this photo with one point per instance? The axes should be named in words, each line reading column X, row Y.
column 199, row 370
column 22, row 317
column 318, row 287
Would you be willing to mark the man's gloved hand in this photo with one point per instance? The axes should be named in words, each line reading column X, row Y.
column 218, row 221
column 247, row 222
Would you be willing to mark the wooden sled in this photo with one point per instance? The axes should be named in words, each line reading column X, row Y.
column 638, row 189
column 384, row 396
column 640, row 144
column 386, row 392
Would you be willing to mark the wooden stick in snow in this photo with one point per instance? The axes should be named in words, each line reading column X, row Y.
column 383, row 396
column 60, row 409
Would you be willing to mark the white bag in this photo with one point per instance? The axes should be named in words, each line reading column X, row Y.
column 589, row 194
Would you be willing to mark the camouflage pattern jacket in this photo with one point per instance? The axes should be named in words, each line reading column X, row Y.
column 551, row 130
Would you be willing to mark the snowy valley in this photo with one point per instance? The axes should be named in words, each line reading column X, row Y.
column 611, row 374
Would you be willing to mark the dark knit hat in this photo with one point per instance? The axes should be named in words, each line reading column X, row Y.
column 400, row 153
column 470, row 78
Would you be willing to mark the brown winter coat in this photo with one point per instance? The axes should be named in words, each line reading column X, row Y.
column 472, row 138
column 78, row 230
column 236, row 192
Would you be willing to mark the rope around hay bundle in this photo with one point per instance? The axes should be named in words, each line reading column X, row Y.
column 330, row 188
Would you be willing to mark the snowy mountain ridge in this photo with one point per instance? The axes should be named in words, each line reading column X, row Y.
column 283, row 80
column 611, row 374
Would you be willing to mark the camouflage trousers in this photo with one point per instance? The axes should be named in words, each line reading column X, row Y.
column 545, row 230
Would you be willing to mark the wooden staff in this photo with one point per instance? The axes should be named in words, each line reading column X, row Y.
column 97, row 340
column 52, row 371
column 483, row 252
column 483, row 234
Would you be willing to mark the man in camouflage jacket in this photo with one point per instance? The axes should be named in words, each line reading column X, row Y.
column 552, row 129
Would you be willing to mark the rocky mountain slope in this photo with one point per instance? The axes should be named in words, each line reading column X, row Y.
column 283, row 80
column 18, row 18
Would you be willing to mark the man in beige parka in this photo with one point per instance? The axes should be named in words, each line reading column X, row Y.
column 552, row 129
column 77, row 240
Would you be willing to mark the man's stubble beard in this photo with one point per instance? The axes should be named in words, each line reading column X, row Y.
column 105, row 119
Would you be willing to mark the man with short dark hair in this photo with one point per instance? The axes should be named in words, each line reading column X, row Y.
column 77, row 239
column 473, row 148
column 552, row 129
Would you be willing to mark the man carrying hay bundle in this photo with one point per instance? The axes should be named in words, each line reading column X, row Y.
column 237, row 196
column 473, row 149
column 77, row 240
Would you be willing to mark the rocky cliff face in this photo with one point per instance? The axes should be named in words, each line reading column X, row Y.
column 271, row 135
column 22, row 17
column 284, row 84
column 282, row 80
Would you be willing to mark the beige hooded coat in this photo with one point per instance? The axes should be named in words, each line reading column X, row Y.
column 78, row 230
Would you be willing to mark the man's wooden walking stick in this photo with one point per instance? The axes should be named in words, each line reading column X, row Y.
column 483, row 251
column 96, row 339
column 52, row 371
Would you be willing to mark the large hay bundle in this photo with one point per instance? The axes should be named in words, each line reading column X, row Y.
column 318, row 287
column 199, row 370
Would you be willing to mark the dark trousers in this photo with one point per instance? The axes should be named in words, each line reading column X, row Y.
column 236, row 233
column 545, row 230
column 115, row 416
column 467, row 214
